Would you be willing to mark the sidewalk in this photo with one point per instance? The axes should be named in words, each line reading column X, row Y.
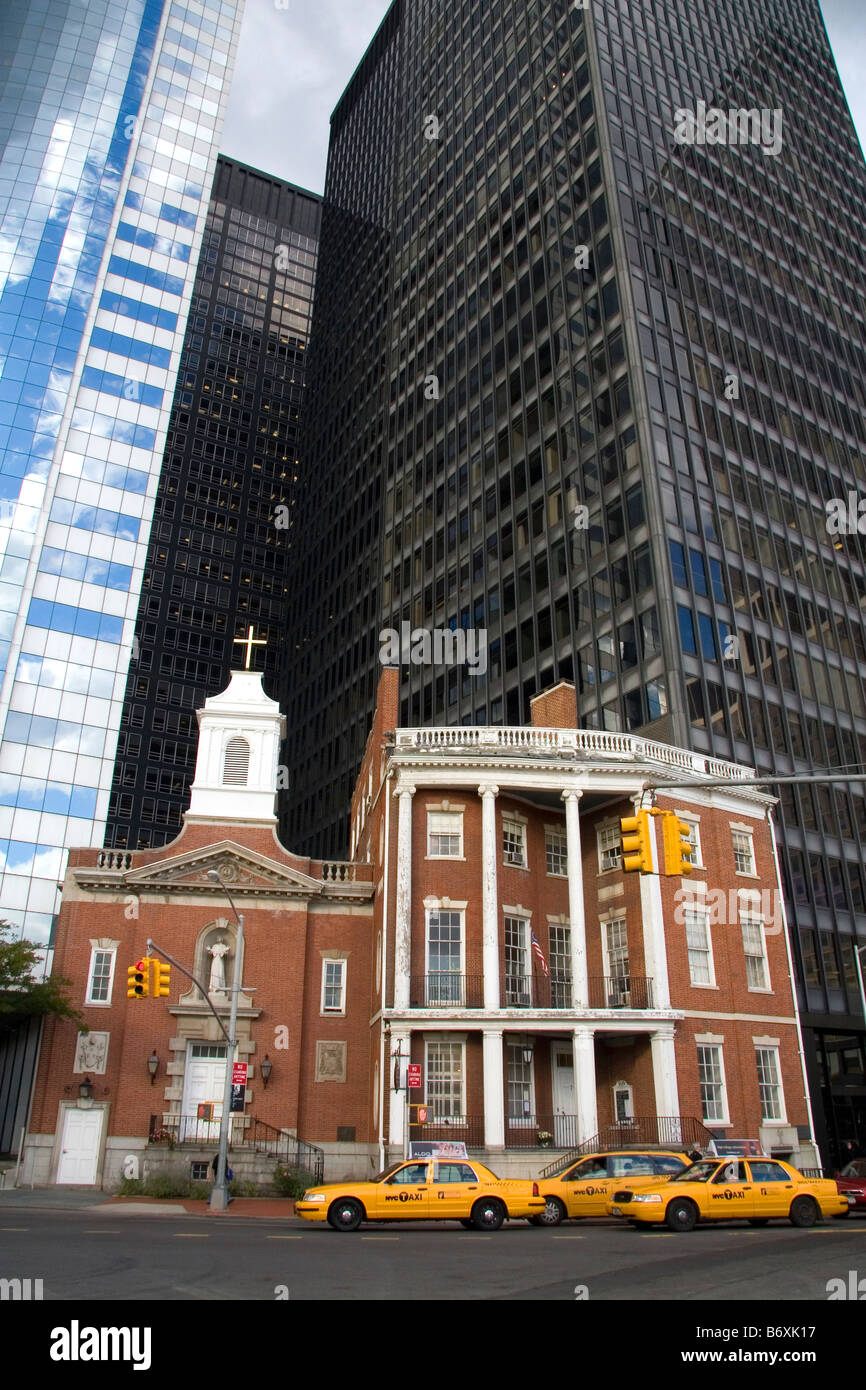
column 78, row 1199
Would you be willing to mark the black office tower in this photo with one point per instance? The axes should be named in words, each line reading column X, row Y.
column 217, row 556
column 588, row 373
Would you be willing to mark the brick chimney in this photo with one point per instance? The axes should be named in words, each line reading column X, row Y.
column 555, row 708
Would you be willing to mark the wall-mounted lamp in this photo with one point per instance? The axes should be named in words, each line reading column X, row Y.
column 527, row 1056
column 153, row 1065
column 267, row 1067
column 85, row 1093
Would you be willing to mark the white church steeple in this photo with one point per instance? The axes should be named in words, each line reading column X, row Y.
column 238, row 754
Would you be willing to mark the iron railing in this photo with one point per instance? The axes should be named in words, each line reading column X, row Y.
column 536, row 992
column 523, row 1132
column 254, row 1136
column 620, row 992
column 446, row 991
column 677, row 1132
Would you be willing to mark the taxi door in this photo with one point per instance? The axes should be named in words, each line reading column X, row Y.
column 773, row 1188
column 730, row 1196
column 454, row 1188
column 588, row 1188
column 405, row 1195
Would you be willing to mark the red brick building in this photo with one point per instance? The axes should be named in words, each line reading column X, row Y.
column 485, row 930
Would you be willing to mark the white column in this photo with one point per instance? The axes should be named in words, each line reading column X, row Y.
column 577, row 916
column 494, row 1089
column 652, row 915
column 403, row 904
column 489, row 899
column 665, row 1072
column 583, row 1044
column 400, row 1041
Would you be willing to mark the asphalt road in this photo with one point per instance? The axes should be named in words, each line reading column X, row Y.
column 84, row 1256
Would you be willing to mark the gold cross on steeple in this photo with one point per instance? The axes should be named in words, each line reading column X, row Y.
column 249, row 642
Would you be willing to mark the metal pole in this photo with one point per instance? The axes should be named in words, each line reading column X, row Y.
column 219, row 1197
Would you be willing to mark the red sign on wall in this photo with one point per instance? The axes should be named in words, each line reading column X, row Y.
column 239, row 1086
column 413, row 1076
column 239, row 1073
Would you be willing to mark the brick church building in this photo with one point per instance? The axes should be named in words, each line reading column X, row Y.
column 484, row 929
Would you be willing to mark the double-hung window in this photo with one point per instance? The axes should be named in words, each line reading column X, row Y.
column 514, row 842
column 700, row 948
column 333, row 986
column 755, row 948
column 444, row 834
column 609, row 849
column 770, row 1084
column 744, row 851
column 444, row 957
column 714, row 1105
column 556, row 851
column 101, row 977
column 518, row 971
column 560, row 967
column 445, row 1072
column 519, row 1087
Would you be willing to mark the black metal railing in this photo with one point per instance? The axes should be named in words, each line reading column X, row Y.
column 442, row 990
column 677, row 1132
column 620, row 992
column 254, row 1136
column 286, row 1148
column 536, row 992
column 521, row 1132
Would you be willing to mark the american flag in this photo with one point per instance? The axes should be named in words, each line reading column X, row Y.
column 538, row 951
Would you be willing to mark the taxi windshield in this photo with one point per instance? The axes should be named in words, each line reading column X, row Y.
column 698, row 1172
column 386, row 1172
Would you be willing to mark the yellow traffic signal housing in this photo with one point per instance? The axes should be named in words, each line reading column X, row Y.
column 636, row 843
column 678, row 848
column 138, row 979
column 161, row 978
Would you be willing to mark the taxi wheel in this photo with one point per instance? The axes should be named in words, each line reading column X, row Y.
column 554, row 1213
column 488, row 1214
column 758, row 1220
column 346, row 1215
column 804, row 1211
column 681, row 1215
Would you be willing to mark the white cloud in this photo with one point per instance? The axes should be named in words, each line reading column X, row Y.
column 292, row 66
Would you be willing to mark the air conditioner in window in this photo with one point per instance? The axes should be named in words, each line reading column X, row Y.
column 621, row 999
column 514, row 857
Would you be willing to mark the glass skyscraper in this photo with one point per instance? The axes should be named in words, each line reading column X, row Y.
column 110, row 114
column 217, row 557
column 587, row 372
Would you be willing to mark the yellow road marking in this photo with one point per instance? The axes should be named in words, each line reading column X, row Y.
column 191, row 1235
column 380, row 1237
column 99, row 1231
column 284, row 1237
column 14, row 1228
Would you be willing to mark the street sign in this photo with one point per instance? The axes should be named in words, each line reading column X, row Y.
column 413, row 1076
column 239, row 1085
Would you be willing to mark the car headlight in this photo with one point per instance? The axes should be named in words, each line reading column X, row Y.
column 647, row 1197
column 313, row 1197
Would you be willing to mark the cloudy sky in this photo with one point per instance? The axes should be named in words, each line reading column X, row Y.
column 296, row 56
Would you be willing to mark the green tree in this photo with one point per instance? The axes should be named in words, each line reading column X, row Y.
column 22, row 994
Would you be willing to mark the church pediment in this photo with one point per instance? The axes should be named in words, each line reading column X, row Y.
column 241, row 869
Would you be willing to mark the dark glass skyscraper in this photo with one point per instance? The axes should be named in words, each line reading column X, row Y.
column 588, row 368
column 216, row 562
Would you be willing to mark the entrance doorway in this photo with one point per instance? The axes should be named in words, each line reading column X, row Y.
column 79, row 1147
column 203, row 1089
column 564, row 1098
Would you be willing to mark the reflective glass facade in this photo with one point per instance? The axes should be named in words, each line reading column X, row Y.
column 109, row 115
column 216, row 562
column 648, row 354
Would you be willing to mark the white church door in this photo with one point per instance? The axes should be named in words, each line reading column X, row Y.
column 79, row 1148
column 203, row 1085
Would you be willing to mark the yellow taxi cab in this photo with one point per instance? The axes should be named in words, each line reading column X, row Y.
column 586, row 1187
column 426, row 1189
column 756, row 1190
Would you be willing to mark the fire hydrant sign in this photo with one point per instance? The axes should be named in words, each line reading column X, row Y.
column 413, row 1076
column 239, row 1085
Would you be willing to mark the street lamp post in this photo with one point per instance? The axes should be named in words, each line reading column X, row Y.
column 219, row 1197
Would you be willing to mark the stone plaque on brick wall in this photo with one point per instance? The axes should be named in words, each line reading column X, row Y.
column 91, row 1053
column 330, row 1061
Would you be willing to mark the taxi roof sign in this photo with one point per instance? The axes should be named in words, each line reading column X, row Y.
column 437, row 1148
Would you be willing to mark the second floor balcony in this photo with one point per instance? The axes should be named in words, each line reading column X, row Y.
column 450, row 990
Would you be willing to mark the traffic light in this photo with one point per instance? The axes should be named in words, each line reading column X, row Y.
column 138, row 979
column 161, row 978
column 636, row 843
column 678, row 848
